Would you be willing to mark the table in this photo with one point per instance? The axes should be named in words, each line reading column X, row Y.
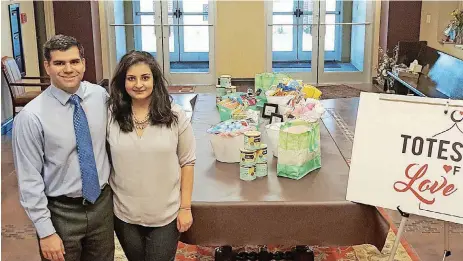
column 274, row 210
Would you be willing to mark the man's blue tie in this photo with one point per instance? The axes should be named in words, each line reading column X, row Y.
column 90, row 184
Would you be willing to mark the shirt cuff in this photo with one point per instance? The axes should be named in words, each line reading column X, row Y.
column 188, row 163
column 45, row 228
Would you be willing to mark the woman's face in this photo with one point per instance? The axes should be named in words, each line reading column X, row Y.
column 139, row 81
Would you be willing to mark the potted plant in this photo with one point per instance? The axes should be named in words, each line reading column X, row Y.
column 386, row 64
column 454, row 31
column 458, row 19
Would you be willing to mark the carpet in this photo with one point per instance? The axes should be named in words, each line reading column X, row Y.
column 364, row 252
column 181, row 89
column 338, row 91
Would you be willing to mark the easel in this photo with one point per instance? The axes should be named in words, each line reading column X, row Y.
column 405, row 216
column 447, row 251
column 403, row 221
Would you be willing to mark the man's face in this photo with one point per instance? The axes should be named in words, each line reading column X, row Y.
column 66, row 69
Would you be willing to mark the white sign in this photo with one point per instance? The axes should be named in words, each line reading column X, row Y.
column 408, row 152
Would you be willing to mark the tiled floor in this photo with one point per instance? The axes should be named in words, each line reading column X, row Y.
column 425, row 235
column 18, row 238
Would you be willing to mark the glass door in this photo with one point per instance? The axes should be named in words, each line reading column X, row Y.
column 193, row 40
column 347, row 42
column 333, row 36
column 285, row 31
column 290, row 34
column 304, row 35
column 320, row 41
column 192, row 23
column 179, row 33
column 133, row 25
column 174, row 43
column 146, row 26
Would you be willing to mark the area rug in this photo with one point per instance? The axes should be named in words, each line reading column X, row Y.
column 364, row 252
column 181, row 89
column 338, row 91
column 403, row 242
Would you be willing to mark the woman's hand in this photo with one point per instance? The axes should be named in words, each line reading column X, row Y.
column 184, row 220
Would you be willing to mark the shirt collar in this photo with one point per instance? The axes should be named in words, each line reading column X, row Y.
column 63, row 96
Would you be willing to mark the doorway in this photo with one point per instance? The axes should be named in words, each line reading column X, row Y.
column 320, row 42
column 179, row 33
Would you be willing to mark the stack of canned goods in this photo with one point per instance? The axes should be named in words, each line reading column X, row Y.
column 261, row 161
column 253, row 162
column 220, row 91
column 225, row 86
column 231, row 89
column 225, row 81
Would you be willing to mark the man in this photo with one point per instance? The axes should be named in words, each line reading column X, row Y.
column 61, row 161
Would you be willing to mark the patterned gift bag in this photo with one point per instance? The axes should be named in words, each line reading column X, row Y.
column 298, row 149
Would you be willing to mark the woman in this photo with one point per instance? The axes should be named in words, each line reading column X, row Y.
column 153, row 154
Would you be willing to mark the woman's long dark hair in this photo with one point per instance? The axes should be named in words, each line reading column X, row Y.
column 120, row 102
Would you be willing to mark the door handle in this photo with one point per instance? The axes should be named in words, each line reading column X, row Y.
column 144, row 13
column 183, row 25
column 126, row 25
column 365, row 23
column 178, row 13
column 310, row 24
column 298, row 12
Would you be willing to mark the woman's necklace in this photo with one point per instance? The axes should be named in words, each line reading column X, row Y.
column 140, row 124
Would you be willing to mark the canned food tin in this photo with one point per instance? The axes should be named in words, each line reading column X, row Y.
column 231, row 89
column 248, row 157
column 248, row 172
column 225, row 81
column 220, row 91
column 261, row 169
column 252, row 140
column 261, row 154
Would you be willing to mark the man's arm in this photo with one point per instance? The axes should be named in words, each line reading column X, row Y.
column 28, row 158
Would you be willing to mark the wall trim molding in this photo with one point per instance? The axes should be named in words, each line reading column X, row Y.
column 7, row 125
column 49, row 18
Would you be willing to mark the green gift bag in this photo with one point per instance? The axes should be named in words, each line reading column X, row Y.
column 224, row 112
column 298, row 149
column 265, row 81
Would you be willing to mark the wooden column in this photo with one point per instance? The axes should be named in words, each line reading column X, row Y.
column 400, row 21
column 80, row 19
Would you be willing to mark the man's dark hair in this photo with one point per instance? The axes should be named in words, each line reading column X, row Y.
column 61, row 43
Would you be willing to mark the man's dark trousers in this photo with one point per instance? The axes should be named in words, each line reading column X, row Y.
column 87, row 230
